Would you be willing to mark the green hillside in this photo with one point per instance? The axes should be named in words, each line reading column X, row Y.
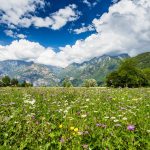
column 96, row 68
column 142, row 60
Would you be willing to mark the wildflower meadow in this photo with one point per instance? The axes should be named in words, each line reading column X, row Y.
column 74, row 119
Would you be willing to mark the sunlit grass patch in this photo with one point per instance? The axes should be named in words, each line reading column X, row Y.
column 74, row 118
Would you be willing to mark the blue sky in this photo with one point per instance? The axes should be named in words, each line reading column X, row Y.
column 63, row 36
column 60, row 32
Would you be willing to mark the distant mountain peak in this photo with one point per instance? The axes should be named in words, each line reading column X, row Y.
column 40, row 74
column 29, row 71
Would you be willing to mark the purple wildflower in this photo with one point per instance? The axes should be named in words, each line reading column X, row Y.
column 78, row 112
column 62, row 140
column 33, row 117
column 98, row 124
column 131, row 127
column 101, row 125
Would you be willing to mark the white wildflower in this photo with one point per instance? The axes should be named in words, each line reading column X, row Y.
column 116, row 120
column 83, row 116
column 124, row 118
column 87, row 99
column 113, row 118
column 106, row 117
column 148, row 131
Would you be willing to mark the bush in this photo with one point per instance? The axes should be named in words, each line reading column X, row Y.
column 67, row 83
column 90, row 83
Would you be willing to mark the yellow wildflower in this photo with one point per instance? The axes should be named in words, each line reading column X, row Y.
column 76, row 129
column 60, row 126
column 71, row 128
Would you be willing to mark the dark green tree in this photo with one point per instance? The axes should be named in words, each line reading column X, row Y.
column 1, row 84
column 147, row 74
column 6, row 81
column 26, row 84
column 66, row 83
column 127, row 76
column 113, row 80
column 23, row 84
column 14, row 82
column 100, row 83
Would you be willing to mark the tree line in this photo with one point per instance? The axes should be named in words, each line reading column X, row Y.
column 7, row 81
column 86, row 83
column 128, row 75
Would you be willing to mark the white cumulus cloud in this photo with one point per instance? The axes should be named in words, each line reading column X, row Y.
column 9, row 33
column 14, row 34
column 21, row 50
column 57, row 19
column 22, row 13
column 84, row 29
column 90, row 4
column 13, row 11
column 124, row 29
column 87, row 3
column 115, row 1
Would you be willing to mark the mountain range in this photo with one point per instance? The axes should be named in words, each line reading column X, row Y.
column 46, row 75
column 29, row 71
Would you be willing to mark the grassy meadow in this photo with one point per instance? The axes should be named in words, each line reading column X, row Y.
column 74, row 119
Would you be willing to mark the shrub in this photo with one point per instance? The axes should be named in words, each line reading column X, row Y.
column 67, row 83
column 90, row 83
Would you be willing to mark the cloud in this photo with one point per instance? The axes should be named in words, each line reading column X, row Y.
column 21, row 36
column 9, row 33
column 124, row 29
column 22, row 13
column 84, row 29
column 115, row 1
column 14, row 34
column 89, row 4
column 21, row 50
column 13, row 11
column 31, row 51
column 58, row 19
